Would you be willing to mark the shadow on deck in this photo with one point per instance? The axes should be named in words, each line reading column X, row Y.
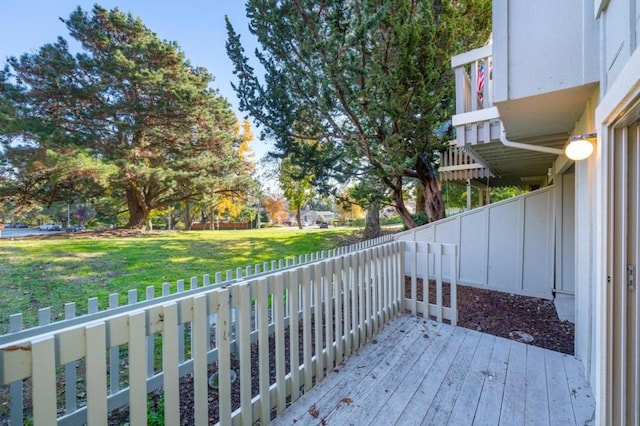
column 419, row 371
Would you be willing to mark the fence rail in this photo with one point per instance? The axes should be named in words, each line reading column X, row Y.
column 318, row 312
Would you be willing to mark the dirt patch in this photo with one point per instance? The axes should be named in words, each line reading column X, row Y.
column 500, row 313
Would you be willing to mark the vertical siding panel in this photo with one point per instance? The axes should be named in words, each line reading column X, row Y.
column 95, row 335
column 137, row 364
column 44, row 380
column 171, row 379
column 279, row 314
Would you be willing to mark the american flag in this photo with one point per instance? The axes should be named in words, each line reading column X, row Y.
column 480, row 83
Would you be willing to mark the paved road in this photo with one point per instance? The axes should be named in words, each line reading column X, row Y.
column 24, row 232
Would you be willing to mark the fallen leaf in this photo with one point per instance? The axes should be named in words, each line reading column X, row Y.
column 314, row 411
column 346, row 400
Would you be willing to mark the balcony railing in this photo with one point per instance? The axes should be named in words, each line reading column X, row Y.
column 475, row 112
column 456, row 164
column 295, row 325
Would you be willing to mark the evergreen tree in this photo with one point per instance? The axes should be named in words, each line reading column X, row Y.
column 127, row 117
column 368, row 80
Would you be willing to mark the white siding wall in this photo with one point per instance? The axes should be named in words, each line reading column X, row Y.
column 565, row 228
column 506, row 246
column 615, row 39
column 584, row 262
column 525, row 65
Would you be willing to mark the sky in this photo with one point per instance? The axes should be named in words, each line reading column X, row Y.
column 196, row 25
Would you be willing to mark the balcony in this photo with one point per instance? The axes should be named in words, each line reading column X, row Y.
column 342, row 326
column 480, row 152
column 476, row 120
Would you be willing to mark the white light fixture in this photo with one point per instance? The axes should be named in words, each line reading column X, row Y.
column 580, row 146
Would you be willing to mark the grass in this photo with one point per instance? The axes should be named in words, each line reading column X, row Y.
column 38, row 273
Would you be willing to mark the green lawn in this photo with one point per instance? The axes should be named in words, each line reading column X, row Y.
column 37, row 273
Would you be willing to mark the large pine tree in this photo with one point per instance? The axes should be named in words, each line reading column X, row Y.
column 128, row 116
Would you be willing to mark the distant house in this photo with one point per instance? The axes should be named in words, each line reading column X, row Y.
column 310, row 217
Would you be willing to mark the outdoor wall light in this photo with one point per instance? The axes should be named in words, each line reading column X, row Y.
column 580, row 146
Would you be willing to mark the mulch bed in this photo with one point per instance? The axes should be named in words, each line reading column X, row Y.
column 500, row 313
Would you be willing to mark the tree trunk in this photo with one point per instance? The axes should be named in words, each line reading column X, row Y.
column 434, row 207
column 420, row 201
column 298, row 217
column 401, row 208
column 187, row 216
column 138, row 214
column 372, row 222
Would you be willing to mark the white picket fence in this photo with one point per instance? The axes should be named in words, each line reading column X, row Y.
column 44, row 315
column 340, row 301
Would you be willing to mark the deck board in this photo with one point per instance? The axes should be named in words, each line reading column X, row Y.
column 466, row 403
column 445, row 397
column 536, row 411
column 513, row 399
column 398, row 398
column 558, row 389
column 488, row 410
column 423, row 372
column 431, row 382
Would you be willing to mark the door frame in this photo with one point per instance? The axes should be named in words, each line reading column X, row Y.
column 618, row 108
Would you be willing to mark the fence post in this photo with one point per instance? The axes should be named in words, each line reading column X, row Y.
column 15, row 388
column 70, row 391
column 294, row 338
column 278, row 319
column 306, row 327
column 150, row 294
column 114, row 355
column 181, row 349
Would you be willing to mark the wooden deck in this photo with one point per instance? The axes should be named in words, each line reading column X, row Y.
column 422, row 372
